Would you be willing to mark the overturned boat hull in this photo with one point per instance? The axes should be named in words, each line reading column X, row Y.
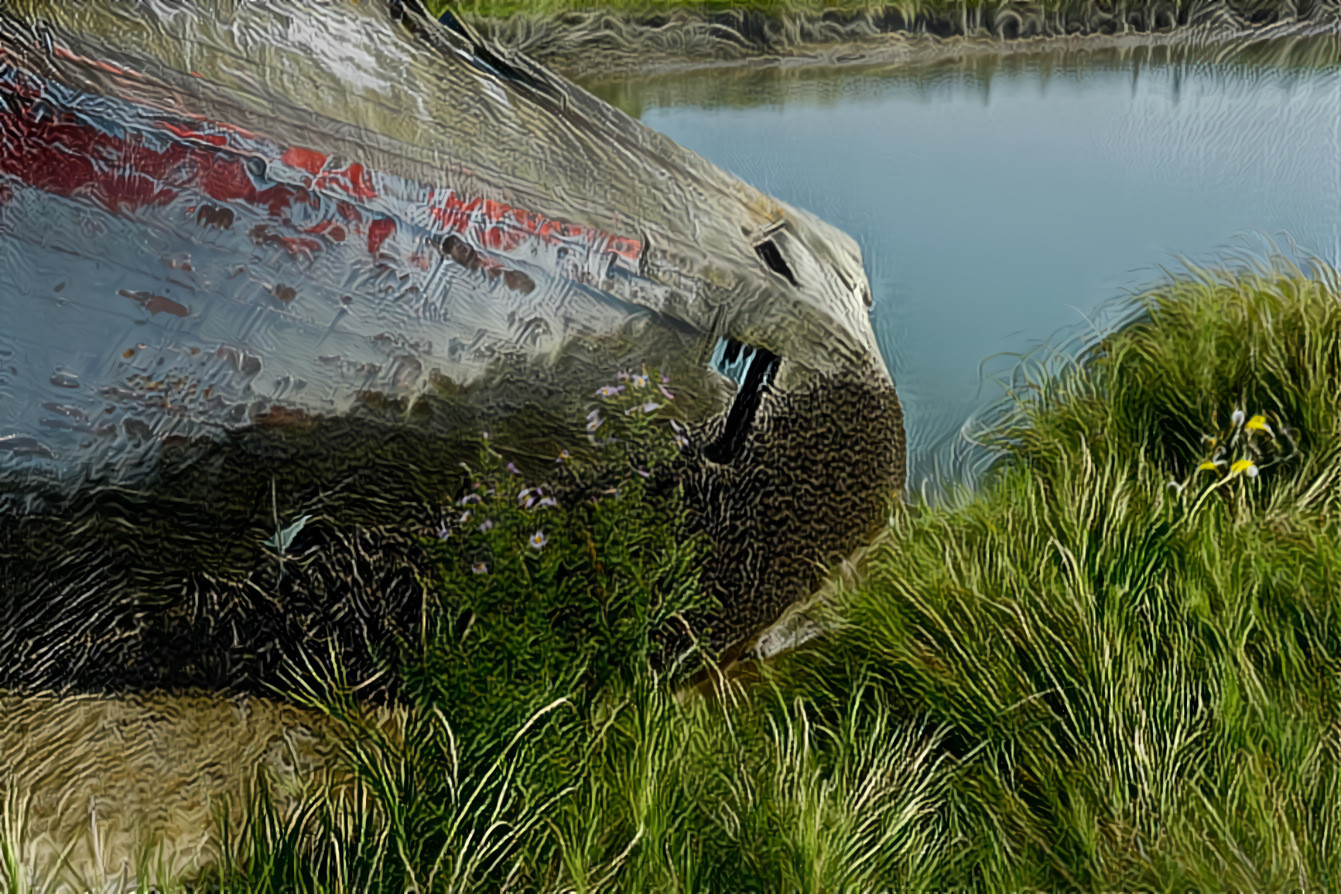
column 264, row 258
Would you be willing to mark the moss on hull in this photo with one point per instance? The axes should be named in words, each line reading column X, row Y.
column 821, row 457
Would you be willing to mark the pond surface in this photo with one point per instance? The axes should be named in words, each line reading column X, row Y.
column 1011, row 202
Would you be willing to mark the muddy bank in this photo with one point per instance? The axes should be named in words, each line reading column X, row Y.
column 591, row 45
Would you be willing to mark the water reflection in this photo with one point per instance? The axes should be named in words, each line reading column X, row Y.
column 1008, row 202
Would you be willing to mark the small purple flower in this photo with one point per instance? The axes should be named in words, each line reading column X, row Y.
column 563, row 455
column 546, row 501
column 682, row 442
column 640, row 380
column 479, row 568
column 488, row 524
column 622, row 376
column 471, row 498
column 443, row 531
column 512, row 468
column 609, row 390
column 644, row 408
column 465, row 517
column 593, row 420
column 665, row 380
column 538, row 540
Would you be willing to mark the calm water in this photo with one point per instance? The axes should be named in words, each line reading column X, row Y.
column 1012, row 203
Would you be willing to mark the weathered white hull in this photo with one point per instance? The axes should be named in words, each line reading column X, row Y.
column 232, row 216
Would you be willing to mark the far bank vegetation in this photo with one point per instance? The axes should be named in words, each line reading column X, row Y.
column 586, row 35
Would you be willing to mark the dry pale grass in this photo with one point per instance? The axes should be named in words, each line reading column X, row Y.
column 98, row 791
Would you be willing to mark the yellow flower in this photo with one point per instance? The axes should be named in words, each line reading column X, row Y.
column 1210, row 465
column 1259, row 423
column 1245, row 466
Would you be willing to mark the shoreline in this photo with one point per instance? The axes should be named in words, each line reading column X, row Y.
column 594, row 46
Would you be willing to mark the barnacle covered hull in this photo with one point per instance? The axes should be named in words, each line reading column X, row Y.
column 264, row 256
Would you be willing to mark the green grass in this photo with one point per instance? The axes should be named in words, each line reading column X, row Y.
column 1104, row 668
column 763, row 22
column 555, row 7
column 658, row 794
column 1139, row 683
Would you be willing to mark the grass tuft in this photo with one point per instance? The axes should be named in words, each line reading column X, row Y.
column 1136, row 661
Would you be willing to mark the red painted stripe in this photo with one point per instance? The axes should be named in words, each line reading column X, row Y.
column 187, row 133
column 69, row 156
column 378, row 231
column 353, row 180
column 307, row 159
column 65, row 53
